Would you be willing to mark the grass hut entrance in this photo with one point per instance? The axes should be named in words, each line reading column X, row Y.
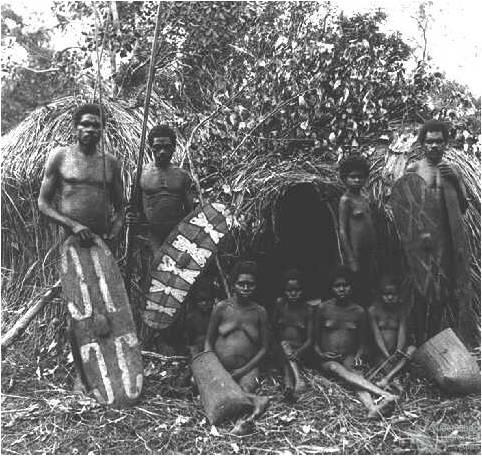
column 306, row 239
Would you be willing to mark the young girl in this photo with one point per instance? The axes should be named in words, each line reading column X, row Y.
column 357, row 232
column 339, row 335
column 388, row 321
column 293, row 325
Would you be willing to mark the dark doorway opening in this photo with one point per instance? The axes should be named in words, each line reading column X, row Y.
column 307, row 241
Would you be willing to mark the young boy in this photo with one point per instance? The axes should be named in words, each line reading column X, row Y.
column 293, row 326
column 339, row 334
column 357, row 232
column 388, row 321
column 238, row 329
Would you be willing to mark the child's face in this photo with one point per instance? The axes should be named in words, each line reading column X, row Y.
column 389, row 294
column 341, row 288
column 204, row 304
column 355, row 180
column 293, row 290
column 245, row 285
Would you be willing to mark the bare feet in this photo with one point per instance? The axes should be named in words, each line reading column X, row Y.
column 384, row 407
column 260, row 405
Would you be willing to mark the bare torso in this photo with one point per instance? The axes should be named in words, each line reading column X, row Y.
column 360, row 227
column 83, row 194
column 339, row 327
column 292, row 322
column 388, row 322
column 239, row 334
column 163, row 193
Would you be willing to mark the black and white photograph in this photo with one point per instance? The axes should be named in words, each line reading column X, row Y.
column 241, row 227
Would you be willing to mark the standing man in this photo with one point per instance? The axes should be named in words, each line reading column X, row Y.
column 77, row 194
column 440, row 177
column 167, row 197
column 166, row 189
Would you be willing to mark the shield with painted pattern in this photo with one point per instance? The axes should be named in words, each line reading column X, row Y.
column 180, row 260
column 105, row 346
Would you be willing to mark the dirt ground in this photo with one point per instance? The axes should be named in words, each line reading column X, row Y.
column 41, row 415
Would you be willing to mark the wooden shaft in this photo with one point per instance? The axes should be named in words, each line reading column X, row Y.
column 140, row 159
column 385, row 380
column 20, row 325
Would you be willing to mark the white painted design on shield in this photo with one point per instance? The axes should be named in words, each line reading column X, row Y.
column 225, row 213
column 151, row 305
column 104, row 289
column 85, row 351
column 199, row 254
column 167, row 264
column 202, row 221
column 158, row 286
column 132, row 391
column 84, row 290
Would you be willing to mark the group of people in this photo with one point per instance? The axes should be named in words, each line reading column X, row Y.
column 82, row 191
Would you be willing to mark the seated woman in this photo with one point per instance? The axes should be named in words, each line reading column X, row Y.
column 339, row 334
column 293, row 323
column 238, row 332
column 388, row 321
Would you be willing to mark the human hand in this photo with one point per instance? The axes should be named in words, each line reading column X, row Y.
column 447, row 172
column 115, row 229
column 294, row 355
column 132, row 218
column 84, row 234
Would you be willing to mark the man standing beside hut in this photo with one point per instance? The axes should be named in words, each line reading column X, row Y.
column 445, row 184
column 167, row 197
column 82, row 189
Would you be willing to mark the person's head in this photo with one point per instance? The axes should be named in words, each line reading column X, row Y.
column 389, row 290
column 342, row 283
column 354, row 171
column 162, row 140
column 88, row 120
column 434, row 137
column 244, row 276
column 292, row 285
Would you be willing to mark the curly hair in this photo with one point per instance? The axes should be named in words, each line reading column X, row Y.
column 342, row 272
column 89, row 108
column 433, row 125
column 354, row 163
column 244, row 267
column 162, row 131
column 292, row 274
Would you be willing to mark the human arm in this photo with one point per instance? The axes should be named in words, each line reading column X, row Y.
column 377, row 335
column 402, row 332
column 453, row 174
column 51, row 183
column 188, row 196
column 117, row 197
column 344, row 210
column 264, row 336
column 212, row 332
column 309, row 333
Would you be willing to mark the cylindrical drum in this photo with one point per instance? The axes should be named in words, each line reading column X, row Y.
column 221, row 397
column 446, row 360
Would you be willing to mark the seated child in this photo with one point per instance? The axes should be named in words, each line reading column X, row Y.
column 339, row 334
column 238, row 329
column 388, row 321
column 197, row 319
column 293, row 323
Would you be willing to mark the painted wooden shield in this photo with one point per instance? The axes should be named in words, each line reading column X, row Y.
column 418, row 215
column 461, row 266
column 181, row 258
column 104, row 330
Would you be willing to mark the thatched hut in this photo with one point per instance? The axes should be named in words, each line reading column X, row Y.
column 285, row 206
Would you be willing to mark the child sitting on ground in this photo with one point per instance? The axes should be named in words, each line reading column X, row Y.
column 293, row 322
column 388, row 321
column 238, row 332
column 357, row 231
column 339, row 334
